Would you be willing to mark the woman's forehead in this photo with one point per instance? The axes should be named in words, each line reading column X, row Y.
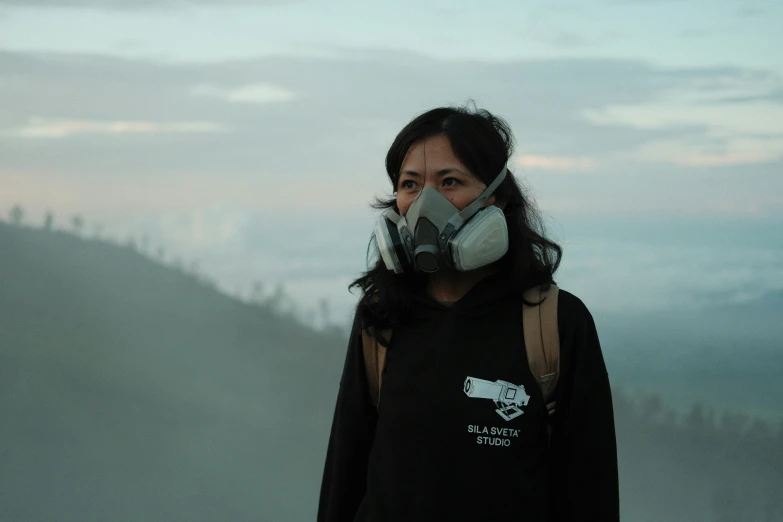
column 432, row 153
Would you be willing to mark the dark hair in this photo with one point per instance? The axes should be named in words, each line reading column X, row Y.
column 484, row 143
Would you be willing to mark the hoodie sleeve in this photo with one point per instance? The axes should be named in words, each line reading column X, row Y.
column 353, row 429
column 585, row 484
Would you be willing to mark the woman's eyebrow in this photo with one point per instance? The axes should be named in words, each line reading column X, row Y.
column 441, row 172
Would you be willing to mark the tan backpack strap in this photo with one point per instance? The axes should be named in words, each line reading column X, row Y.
column 374, row 363
column 542, row 339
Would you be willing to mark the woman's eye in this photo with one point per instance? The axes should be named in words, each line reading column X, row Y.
column 407, row 184
column 450, row 182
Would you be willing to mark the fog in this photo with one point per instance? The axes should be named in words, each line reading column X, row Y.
column 132, row 389
column 184, row 200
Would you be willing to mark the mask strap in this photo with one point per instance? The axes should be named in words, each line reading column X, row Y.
column 459, row 219
column 392, row 216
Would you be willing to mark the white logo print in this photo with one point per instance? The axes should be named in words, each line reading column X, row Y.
column 507, row 397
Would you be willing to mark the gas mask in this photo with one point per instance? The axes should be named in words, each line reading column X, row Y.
column 434, row 234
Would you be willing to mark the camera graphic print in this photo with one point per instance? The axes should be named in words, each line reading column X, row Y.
column 508, row 398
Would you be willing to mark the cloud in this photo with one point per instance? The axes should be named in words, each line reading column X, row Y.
column 259, row 93
column 569, row 40
column 154, row 192
column 673, row 191
column 711, row 160
column 666, row 262
column 773, row 96
column 751, row 12
column 302, row 132
column 722, row 86
column 532, row 161
column 48, row 128
column 714, row 151
column 732, row 134
column 699, row 33
column 657, row 142
column 663, row 273
column 134, row 4
column 730, row 157
column 653, row 2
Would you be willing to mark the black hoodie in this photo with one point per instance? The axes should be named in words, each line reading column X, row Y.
column 434, row 453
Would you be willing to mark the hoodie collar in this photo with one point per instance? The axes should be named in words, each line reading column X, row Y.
column 477, row 300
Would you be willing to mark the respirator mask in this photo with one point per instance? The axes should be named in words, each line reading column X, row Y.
column 434, row 234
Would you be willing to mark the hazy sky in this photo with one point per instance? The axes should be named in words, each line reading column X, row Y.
column 250, row 137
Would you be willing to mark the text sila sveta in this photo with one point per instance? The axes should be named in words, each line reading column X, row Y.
column 493, row 436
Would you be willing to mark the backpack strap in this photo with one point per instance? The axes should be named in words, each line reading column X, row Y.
column 542, row 340
column 374, row 362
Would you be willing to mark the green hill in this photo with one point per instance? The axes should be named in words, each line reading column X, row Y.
column 129, row 391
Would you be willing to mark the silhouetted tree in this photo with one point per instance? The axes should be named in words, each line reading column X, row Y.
column 281, row 303
column 733, row 423
column 161, row 254
column 325, row 310
column 699, row 425
column 278, row 296
column 309, row 316
column 97, row 230
column 145, row 243
column 49, row 221
column 131, row 243
column 700, row 419
column 651, row 408
column 16, row 215
column 78, row 222
column 257, row 293
column 760, row 430
column 292, row 310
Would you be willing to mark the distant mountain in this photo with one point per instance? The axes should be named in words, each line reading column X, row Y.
column 130, row 391
column 768, row 305
column 727, row 356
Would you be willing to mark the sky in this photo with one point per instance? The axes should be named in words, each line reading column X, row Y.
column 249, row 136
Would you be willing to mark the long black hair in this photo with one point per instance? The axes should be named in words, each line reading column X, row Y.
column 484, row 144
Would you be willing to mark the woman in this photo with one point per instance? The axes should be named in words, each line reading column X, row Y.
column 429, row 452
